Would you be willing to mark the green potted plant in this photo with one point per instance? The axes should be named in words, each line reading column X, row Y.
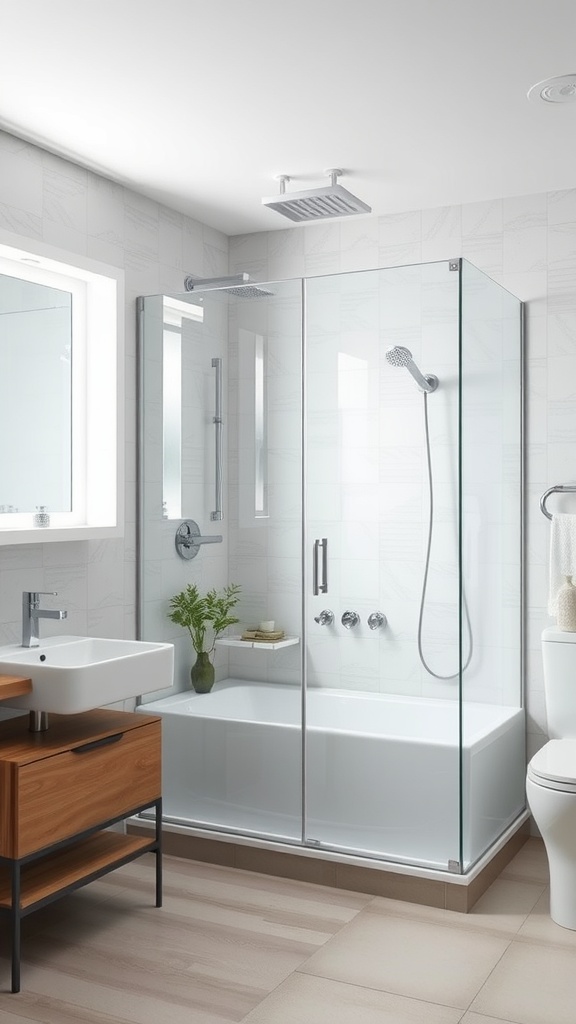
column 205, row 618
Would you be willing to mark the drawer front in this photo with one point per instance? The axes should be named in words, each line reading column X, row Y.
column 60, row 796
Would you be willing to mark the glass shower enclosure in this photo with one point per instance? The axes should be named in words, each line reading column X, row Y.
column 349, row 450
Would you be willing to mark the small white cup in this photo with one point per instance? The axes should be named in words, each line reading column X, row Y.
column 267, row 627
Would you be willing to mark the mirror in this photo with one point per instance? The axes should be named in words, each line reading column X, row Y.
column 35, row 396
column 61, row 365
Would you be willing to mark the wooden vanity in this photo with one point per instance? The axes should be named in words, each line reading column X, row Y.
column 59, row 792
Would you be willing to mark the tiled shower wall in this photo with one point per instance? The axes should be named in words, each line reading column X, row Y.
column 528, row 244
column 366, row 488
column 45, row 198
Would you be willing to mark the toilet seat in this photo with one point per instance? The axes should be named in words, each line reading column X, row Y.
column 554, row 766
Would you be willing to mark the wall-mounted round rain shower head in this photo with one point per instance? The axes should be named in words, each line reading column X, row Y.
column 397, row 355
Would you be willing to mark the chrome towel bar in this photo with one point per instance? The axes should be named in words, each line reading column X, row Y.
column 558, row 489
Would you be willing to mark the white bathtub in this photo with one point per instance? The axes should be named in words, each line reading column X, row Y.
column 382, row 772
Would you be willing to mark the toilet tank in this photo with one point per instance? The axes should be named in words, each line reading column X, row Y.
column 559, row 659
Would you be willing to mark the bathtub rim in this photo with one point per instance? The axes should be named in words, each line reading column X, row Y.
column 171, row 706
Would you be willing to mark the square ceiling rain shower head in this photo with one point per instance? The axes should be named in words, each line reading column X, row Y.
column 316, row 203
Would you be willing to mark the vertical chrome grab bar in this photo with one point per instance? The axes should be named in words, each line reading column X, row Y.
column 217, row 514
column 320, row 580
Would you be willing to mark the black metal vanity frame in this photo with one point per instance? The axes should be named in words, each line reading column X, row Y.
column 15, row 865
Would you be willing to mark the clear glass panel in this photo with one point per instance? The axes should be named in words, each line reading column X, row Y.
column 382, row 704
column 234, row 760
column 491, row 412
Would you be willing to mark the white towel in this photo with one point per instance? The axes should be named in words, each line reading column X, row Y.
column 562, row 555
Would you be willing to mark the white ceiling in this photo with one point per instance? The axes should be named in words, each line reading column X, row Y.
column 201, row 104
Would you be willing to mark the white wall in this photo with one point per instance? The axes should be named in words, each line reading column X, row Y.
column 46, row 198
column 528, row 244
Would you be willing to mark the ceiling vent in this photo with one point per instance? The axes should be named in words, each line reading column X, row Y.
column 555, row 90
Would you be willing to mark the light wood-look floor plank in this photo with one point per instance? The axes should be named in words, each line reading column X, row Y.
column 223, row 940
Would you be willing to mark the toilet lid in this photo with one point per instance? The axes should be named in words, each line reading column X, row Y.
column 556, row 762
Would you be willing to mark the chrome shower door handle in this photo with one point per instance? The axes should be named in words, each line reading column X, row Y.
column 320, row 573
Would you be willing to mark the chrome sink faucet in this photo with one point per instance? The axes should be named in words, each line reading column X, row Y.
column 32, row 612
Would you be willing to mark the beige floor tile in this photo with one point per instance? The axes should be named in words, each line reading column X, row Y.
column 539, row 927
column 415, row 958
column 479, row 1018
column 506, row 905
column 531, row 985
column 305, row 999
column 502, row 909
column 530, row 864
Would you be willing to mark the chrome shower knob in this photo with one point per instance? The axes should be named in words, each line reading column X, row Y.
column 377, row 620
column 326, row 617
column 350, row 619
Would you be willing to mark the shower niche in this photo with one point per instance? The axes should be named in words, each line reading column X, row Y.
column 380, row 411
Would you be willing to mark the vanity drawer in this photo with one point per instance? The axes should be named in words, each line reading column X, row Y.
column 57, row 797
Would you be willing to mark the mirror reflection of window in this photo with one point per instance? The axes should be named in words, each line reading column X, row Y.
column 253, row 427
column 172, row 424
column 175, row 314
column 35, row 396
column 260, row 439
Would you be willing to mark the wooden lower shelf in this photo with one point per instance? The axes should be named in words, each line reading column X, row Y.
column 14, row 686
column 65, row 868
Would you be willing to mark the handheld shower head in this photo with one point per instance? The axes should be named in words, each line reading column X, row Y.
column 400, row 356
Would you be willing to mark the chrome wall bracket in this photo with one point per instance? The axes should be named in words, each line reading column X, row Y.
column 189, row 539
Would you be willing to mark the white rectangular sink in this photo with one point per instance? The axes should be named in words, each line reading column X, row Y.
column 75, row 673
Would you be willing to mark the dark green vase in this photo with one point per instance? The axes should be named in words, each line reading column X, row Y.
column 202, row 673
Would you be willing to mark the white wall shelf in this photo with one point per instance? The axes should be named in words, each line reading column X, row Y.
column 260, row 645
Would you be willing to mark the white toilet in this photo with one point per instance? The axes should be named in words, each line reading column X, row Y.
column 551, row 777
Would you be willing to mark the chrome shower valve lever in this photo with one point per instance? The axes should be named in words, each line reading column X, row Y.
column 377, row 620
column 350, row 619
column 326, row 617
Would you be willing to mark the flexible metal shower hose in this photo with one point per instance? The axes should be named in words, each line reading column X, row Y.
column 427, row 567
